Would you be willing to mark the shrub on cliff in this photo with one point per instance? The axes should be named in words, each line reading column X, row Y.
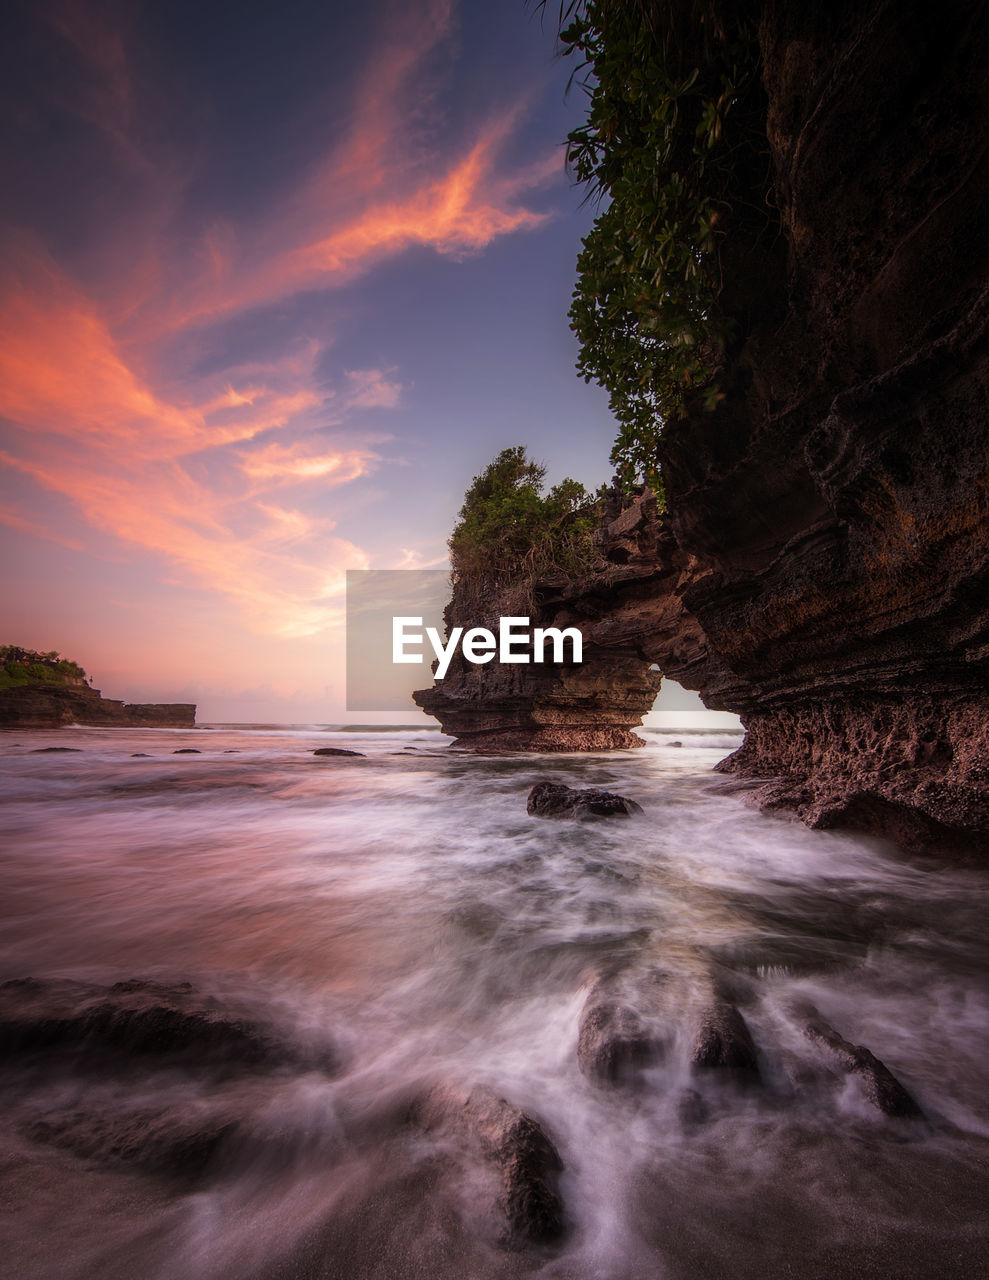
column 26, row 666
column 675, row 143
column 511, row 532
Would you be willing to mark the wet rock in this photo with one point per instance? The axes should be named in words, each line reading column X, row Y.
column 187, row 751
column 139, row 755
column 165, row 1143
column 518, row 1147
column 613, row 1044
column 337, row 751
column 553, row 800
column 50, row 751
column 674, row 744
column 139, row 1019
column 723, row 1040
column 881, row 1087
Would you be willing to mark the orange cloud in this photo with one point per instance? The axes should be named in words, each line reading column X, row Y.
column 461, row 212
column 301, row 461
column 93, row 430
column 183, row 467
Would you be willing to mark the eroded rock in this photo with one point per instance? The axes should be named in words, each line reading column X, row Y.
column 518, row 1147
column 140, row 1019
column 613, row 1043
column 168, row 1143
column 553, row 800
column 881, row 1087
column 723, row 1040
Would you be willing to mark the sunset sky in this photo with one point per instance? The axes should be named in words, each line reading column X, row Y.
column 276, row 280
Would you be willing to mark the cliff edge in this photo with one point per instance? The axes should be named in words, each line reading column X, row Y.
column 822, row 567
column 46, row 691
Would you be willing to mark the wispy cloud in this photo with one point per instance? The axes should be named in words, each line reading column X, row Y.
column 226, row 478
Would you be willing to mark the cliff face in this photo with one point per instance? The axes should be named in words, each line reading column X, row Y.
column 45, row 706
column 591, row 706
column 823, row 568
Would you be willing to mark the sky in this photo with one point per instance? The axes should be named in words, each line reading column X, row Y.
column 276, row 280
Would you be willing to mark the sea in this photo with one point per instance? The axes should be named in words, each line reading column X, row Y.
column 400, row 924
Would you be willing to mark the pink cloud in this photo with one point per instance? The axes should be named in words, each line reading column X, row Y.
column 184, row 467
column 372, row 389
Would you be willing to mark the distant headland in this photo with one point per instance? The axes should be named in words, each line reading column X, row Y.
column 46, row 691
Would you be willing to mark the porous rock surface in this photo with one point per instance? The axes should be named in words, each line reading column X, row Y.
column 554, row 800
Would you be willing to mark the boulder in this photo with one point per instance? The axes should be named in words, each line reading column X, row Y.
column 337, row 751
column 517, row 1146
column 553, row 800
column 723, row 1040
column 613, row 1043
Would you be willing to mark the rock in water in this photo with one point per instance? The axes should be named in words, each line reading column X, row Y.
column 337, row 751
column 187, row 751
column 164, row 1022
column 553, row 800
column 612, row 1043
column 723, row 1040
column 155, row 1141
column 882, row 1088
column 518, row 1147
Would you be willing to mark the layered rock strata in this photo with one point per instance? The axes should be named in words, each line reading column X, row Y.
column 823, row 565
column 46, row 706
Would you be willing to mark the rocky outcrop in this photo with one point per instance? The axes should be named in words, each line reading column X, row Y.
column 553, row 800
column 595, row 705
column 48, row 706
column 823, row 565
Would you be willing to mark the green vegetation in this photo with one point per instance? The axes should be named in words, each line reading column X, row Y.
column 675, row 139
column 510, row 532
column 26, row 666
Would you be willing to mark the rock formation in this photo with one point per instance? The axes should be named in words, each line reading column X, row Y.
column 822, row 565
column 49, row 706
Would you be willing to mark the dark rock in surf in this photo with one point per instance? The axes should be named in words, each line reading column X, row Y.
column 138, row 1019
column 553, row 800
column 166, row 1143
column 613, row 1044
column 139, row 755
column 881, row 1087
column 187, row 751
column 518, row 1147
column 337, row 751
column 51, row 751
column 723, row 1040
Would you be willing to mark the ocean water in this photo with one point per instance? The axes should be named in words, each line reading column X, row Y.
column 403, row 926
